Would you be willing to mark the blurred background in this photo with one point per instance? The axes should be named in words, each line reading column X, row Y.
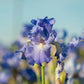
column 15, row 19
column 14, row 13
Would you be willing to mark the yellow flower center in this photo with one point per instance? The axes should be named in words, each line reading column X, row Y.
column 40, row 46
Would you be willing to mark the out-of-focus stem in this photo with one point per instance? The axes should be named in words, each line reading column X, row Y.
column 38, row 79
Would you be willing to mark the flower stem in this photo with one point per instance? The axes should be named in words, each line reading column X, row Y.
column 38, row 79
column 43, row 74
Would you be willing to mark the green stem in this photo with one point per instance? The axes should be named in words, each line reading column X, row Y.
column 38, row 79
column 43, row 74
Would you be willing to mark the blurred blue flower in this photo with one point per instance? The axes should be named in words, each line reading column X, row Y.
column 62, row 65
column 82, row 66
column 21, row 52
column 17, row 43
column 61, row 36
column 70, row 66
column 76, row 45
column 61, row 51
column 11, row 59
column 83, row 33
column 80, row 45
column 4, row 65
column 72, row 48
column 64, row 34
column 4, row 76
column 26, row 30
column 66, row 78
column 29, row 75
column 73, row 42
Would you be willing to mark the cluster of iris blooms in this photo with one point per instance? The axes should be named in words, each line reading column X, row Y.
column 43, row 50
column 12, row 69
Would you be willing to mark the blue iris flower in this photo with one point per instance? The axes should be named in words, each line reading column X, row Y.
column 42, row 29
column 41, row 35
column 61, row 51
